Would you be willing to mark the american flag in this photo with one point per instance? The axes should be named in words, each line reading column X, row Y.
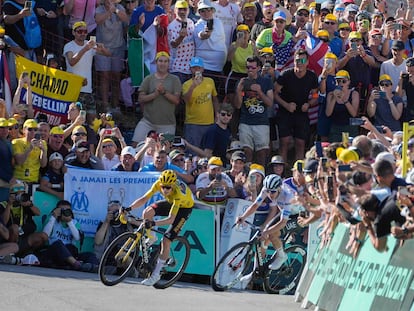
column 5, row 90
column 315, row 47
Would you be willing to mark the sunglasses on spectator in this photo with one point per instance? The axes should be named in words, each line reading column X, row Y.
column 330, row 23
column 345, row 29
column 204, row 10
column 57, row 135
column 280, row 21
column 14, row 127
column 166, row 187
column 179, row 160
column 106, row 146
column 355, row 40
column 341, row 80
column 80, row 134
column 81, row 31
column 384, row 83
column 302, row 14
column 376, row 36
column 223, row 114
column 251, row 67
column 300, row 60
column 32, row 129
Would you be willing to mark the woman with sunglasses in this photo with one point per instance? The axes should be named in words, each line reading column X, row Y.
column 385, row 106
column 177, row 206
column 341, row 104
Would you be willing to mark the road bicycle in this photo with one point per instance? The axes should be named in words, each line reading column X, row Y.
column 128, row 255
column 245, row 258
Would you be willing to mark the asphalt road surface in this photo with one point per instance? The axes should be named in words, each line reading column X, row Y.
column 34, row 288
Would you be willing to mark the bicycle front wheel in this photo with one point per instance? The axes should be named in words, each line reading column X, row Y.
column 176, row 263
column 284, row 280
column 118, row 260
column 234, row 264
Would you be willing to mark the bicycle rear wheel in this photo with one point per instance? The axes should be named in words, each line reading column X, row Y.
column 176, row 263
column 284, row 280
column 234, row 264
column 118, row 260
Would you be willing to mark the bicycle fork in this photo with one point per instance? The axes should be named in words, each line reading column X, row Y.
column 126, row 249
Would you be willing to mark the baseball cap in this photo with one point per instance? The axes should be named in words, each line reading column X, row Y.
column 326, row 6
column 234, row 145
column 12, row 121
column 322, row 33
column 348, row 155
column 279, row 15
column 215, row 162
column 388, row 156
column 55, row 156
column 181, row 4
column 17, row 186
column 128, row 150
column 30, row 123
column 295, row 166
column 342, row 74
column 408, row 62
column 266, row 50
column 56, row 130
column 343, row 25
column 196, row 62
column 202, row 161
column 331, row 17
column 79, row 24
column 249, row 5
column 108, row 140
column 162, row 53
column 79, row 129
column 30, row 260
column 175, row 153
column 331, row 55
column 204, row 4
column 375, row 31
column 243, row 27
column 180, row 144
column 257, row 168
column 82, row 146
column 238, row 155
column 277, row 159
column 4, row 122
column 302, row 8
column 354, row 35
column 398, row 45
column 385, row 77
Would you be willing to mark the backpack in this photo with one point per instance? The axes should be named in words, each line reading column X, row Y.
column 32, row 34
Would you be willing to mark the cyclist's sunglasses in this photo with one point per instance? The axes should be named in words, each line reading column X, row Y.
column 166, row 187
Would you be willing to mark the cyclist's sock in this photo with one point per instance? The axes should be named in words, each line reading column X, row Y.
column 158, row 267
column 280, row 251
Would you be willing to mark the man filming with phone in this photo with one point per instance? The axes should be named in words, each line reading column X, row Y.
column 214, row 186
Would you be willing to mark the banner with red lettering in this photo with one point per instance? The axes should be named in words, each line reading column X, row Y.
column 52, row 89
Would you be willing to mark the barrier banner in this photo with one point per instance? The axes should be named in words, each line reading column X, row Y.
column 372, row 281
column 89, row 192
column 52, row 89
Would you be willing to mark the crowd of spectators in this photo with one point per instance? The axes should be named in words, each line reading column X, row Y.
column 275, row 104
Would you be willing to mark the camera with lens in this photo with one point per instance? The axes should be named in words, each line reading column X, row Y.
column 67, row 212
column 22, row 197
column 115, row 220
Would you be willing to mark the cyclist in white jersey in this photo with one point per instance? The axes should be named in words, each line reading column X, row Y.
column 275, row 194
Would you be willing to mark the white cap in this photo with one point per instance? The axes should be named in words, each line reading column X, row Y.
column 385, row 156
column 128, row 150
column 30, row 260
column 55, row 156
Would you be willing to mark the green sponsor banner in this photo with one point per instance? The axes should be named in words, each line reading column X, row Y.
column 199, row 230
column 325, row 263
column 46, row 203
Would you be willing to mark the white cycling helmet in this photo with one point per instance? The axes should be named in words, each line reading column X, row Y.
column 272, row 182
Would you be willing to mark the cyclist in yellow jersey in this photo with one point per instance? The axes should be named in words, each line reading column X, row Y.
column 177, row 206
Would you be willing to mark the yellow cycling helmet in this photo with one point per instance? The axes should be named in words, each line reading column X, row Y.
column 168, row 178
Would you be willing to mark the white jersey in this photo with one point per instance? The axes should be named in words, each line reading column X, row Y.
column 282, row 201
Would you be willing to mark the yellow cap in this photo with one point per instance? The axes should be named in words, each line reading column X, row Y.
column 4, row 122
column 162, row 53
column 214, row 162
column 312, row 5
column 79, row 128
column 331, row 17
column 267, row 4
column 56, row 130
column 257, row 168
column 12, row 121
column 331, row 55
column 342, row 74
column 295, row 166
column 78, row 24
column 385, row 77
column 181, row 4
column 249, row 5
column 266, row 50
column 302, row 7
column 355, row 35
column 322, row 33
column 30, row 123
column 243, row 27
column 2, row 31
column 348, row 155
column 343, row 25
